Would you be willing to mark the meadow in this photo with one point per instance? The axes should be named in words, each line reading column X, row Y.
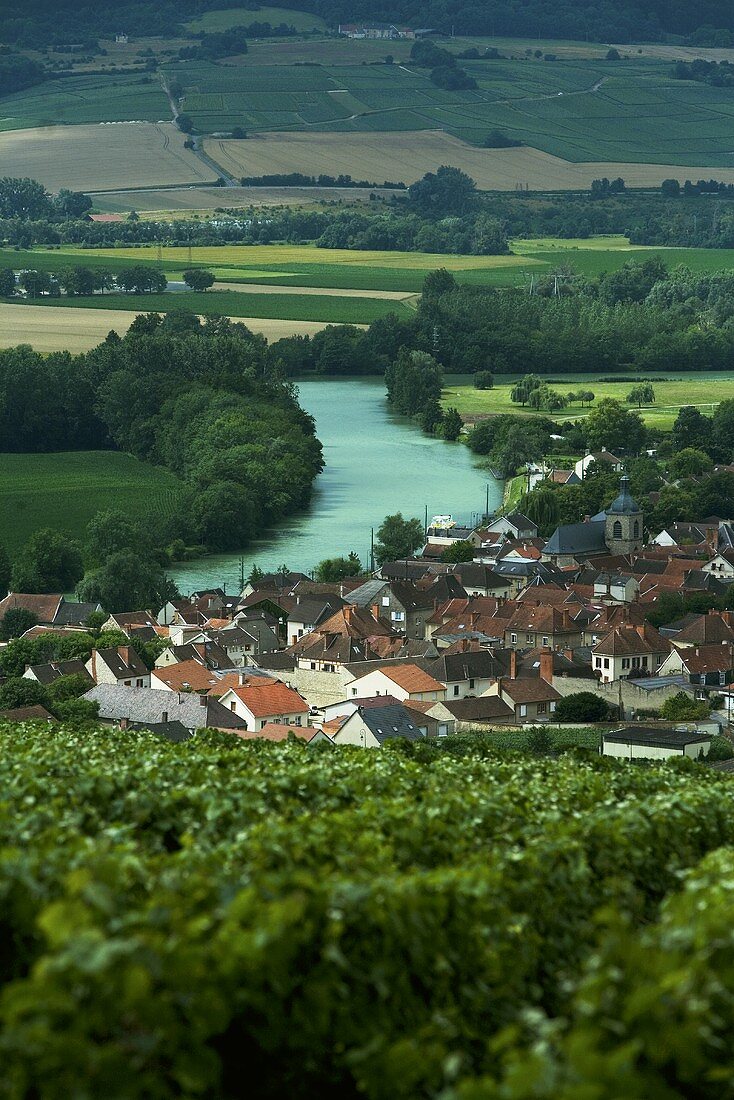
column 705, row 390
column 101, row 157
column 64, row 491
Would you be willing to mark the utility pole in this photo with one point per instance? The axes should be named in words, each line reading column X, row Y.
column 372, row 549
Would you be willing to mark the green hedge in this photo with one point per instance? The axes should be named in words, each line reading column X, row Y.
column 203, row 919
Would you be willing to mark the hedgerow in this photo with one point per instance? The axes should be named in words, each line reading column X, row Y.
column 218, row 916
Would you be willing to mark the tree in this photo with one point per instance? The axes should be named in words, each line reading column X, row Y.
column 483, row 380
column 451, row 425
column 641, row 395
column 67, row 687
column 539, row 741
column 670, row 188
column 35, row 283
column 690, row 462
column 49, row 562
column 413, row 381
column 437, row 283
column 682, row 707
column 332, row 570
column 127, row 582
column 722, row 431
column 447, row 191
column 612, row 426
column 581, row 706
column 461, row 550
column 110, row 532
column 398, row 538
column 5, row 571
column 25, row 199
column 197, row 278
column 185, row 124
column 7, row 282
column 432, row 416
column 691, row 429
column 15, row 623
column 72, row 204
column 18, row 692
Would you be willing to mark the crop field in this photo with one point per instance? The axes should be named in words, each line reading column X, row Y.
column 185, row 201
column 75, row 329
column 78, row 99
column 101, row 157
column 63, row 491
column 236, row 17
column 405, row 157
column 704, row 390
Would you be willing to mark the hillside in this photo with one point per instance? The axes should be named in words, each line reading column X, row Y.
column 410, row 922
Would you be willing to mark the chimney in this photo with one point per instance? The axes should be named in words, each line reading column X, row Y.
column 348, row 613
column 124, row 652
column 568, row 654
column 513, row 664
column 203, row 700
column 641, row 630
column 546, row 665
column 164, row 716
column 375, row 610
column 712, row 539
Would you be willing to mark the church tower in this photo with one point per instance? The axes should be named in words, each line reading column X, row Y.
column 623, row 525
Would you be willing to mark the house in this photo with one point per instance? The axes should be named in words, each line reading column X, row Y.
column 479, row 579
column 654, row 743
column 207, row 653
column 139, row 707
column 467, row 672
column 563, row 477
column 184, row 676
column 534, row 625
column 629, row 651
column 50, row 610
column 370, row 727
column 35, row 713
column 617, row 587
column 259, row 625
column 402, row 681
column 514, row 526
column 309, row 612
column 129, row 621
column 602, row 457
column 432, row 719
column 706, row 666
column 485, row 711
column 531, row 699
column 52, row 670
column 119, row 665
column 271, row 702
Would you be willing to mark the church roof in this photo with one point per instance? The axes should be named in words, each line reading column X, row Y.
column 624, row 504
column 577, row 538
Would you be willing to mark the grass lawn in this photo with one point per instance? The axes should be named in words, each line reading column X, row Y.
column 65, row 490
column 705, row 390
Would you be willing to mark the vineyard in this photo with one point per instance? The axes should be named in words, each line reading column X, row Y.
column 422, row 921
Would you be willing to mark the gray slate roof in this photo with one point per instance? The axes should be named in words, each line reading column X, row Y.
column 387, row 722
column 655, row 737
column 141, row 706
column 577, row 538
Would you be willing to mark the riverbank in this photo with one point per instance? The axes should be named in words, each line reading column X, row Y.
column 377, row 463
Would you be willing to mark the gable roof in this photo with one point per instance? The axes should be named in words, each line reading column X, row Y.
column 411, row 678
column 44, row 607
column 186, row 676
column 121, row 660
column 271, row 699
column 385, row 723
column 52, row 670
column 146, row 705
column 577, row 538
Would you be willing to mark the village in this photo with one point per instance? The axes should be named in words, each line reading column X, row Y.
column 530, row 632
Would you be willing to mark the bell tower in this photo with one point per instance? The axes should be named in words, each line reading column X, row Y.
column 623, row 525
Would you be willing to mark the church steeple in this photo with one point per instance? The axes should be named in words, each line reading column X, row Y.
column 623, row 526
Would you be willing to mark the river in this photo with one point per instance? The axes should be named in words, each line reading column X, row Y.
column 376, row 464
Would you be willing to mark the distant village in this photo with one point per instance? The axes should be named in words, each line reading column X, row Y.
column 427, row 648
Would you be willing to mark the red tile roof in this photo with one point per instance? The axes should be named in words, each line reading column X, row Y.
column 271, row 699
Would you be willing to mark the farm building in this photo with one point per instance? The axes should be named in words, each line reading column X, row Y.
column 386, row 31
column 653, row 743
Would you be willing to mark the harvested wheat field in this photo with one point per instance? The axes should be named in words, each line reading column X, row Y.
column 407, row 156
column 184, row 200
column 75, row 329
column 101, row 156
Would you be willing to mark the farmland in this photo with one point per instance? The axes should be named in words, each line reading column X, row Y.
column 68, row 328
column 235, row 17
column 64, row 491
column 101, row 157
column 704, row 390
column 77, row 100
column 324, row 308
column 405, row 157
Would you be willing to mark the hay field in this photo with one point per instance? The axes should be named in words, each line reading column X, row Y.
column 407, row 156
column 189, row 200
column 75, row 329
column 101, row 156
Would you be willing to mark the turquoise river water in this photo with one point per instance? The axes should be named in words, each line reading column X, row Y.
column 376, row 464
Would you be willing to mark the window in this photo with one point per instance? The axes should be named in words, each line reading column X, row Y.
column 232, row 706
column 542, row 707
column 545, row 641
column 617, row 530
column 598, row 662
column 636, row 530
column 471, row 684
column 128, row 683
column 606, row 662
column 385, row 601
column 313, row 665
column 644, row 662
column 139, row 683
column 513, row 637
column 523, row 710
column 635, row 662
column 528, row 637
column 456, row 689
column 354, row 691
column 397, row 616
column 625, row 662
column 553, row 705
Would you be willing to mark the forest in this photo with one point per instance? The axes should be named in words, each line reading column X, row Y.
column 706, row 23
column 198, row 398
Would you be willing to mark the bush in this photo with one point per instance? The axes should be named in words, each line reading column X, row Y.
column 483, row 380
column 582, row 706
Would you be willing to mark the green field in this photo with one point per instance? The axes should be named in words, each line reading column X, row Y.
column 63, row 491
column 330, row 309
column 79, row 99
column 704, row 390
column 307, row 266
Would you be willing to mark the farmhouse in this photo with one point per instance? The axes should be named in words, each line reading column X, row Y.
column 375, row 31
